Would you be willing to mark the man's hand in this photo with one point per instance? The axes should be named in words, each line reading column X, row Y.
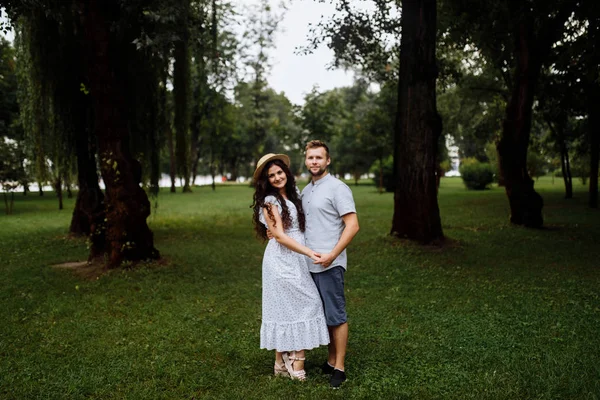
column 326, row 260
column 316, row 257
column 269, row 234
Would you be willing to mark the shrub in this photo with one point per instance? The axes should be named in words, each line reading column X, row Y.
column 388, row 173
column 476, row 175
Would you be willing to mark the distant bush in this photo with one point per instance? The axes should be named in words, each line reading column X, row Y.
column 476, row 175
column 388, row 173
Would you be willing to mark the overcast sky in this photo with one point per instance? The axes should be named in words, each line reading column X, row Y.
column 295, row 74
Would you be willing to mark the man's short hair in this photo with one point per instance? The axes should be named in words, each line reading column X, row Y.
column 314, row 144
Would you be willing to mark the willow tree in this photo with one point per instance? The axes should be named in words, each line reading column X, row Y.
column 128, row 237
column 92, row 98
column 56, row 112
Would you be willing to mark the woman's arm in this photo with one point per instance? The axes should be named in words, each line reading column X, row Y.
column 276, row 228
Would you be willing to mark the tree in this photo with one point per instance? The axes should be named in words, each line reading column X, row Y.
column 517, row 37
column 181, row 92
column 127, row 207
column 371, row 42
column 262, row 24
column 10, row 169
column 418, row 127
column 9, row 107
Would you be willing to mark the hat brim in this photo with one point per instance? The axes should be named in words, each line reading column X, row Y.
column 265, row 160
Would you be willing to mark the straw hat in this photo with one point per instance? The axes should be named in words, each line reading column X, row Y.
column 260, row 165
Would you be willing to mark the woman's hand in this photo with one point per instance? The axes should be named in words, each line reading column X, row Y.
column 316, row 257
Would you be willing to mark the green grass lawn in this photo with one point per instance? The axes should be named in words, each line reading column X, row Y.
column 501, row 312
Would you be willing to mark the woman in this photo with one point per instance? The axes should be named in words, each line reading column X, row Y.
column 292, row 312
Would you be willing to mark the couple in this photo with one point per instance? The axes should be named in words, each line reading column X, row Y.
column 303, row 303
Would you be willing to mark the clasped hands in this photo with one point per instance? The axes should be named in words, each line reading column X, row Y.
column 324, row 259
column 318, row 258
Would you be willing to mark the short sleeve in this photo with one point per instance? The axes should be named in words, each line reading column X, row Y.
column 343, row 200
column 269, row 200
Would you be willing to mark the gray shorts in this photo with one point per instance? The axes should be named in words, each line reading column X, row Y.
column 331, row 288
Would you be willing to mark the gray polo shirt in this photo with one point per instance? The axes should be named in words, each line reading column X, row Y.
column 324, row 204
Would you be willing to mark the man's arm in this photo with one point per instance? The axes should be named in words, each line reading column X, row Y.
column 351, row 229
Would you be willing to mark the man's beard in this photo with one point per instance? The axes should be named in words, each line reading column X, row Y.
column 320, row 172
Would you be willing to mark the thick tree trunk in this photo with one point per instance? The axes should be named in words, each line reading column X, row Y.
column 418, row 127
column 128, row 237
column 525, row 203
column 88, row 215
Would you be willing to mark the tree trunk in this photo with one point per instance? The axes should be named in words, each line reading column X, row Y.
column 88, row 215
column 128, row 237
column 418, row 127
column 59, row 192
column 172, row 161
column 594, row 144
column 530, row 53
column 181, row 92
column 195, row 167
column 380, row 175
column 525, row 203
column 593, row 94
column 566, row 169
column 558, row 130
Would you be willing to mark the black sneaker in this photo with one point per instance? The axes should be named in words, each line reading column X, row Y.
column 326, row 368
column 337, row 378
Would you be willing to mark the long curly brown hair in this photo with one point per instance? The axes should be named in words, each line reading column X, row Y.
column 264, row 189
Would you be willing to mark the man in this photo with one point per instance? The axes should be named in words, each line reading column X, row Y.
column 331, row 224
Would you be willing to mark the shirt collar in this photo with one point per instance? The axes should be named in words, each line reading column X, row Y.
column 323, row 179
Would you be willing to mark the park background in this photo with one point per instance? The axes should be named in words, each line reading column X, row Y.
column 478, row 286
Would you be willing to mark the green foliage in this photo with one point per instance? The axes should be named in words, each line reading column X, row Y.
column 537, row 164
column 11, row 169
column 9, row 107
column 383, row 173
column 476, row 175
column 580, row 167
column 472, row 111
column 367, row 40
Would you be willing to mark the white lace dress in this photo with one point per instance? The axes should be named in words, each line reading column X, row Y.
column 292, row 312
